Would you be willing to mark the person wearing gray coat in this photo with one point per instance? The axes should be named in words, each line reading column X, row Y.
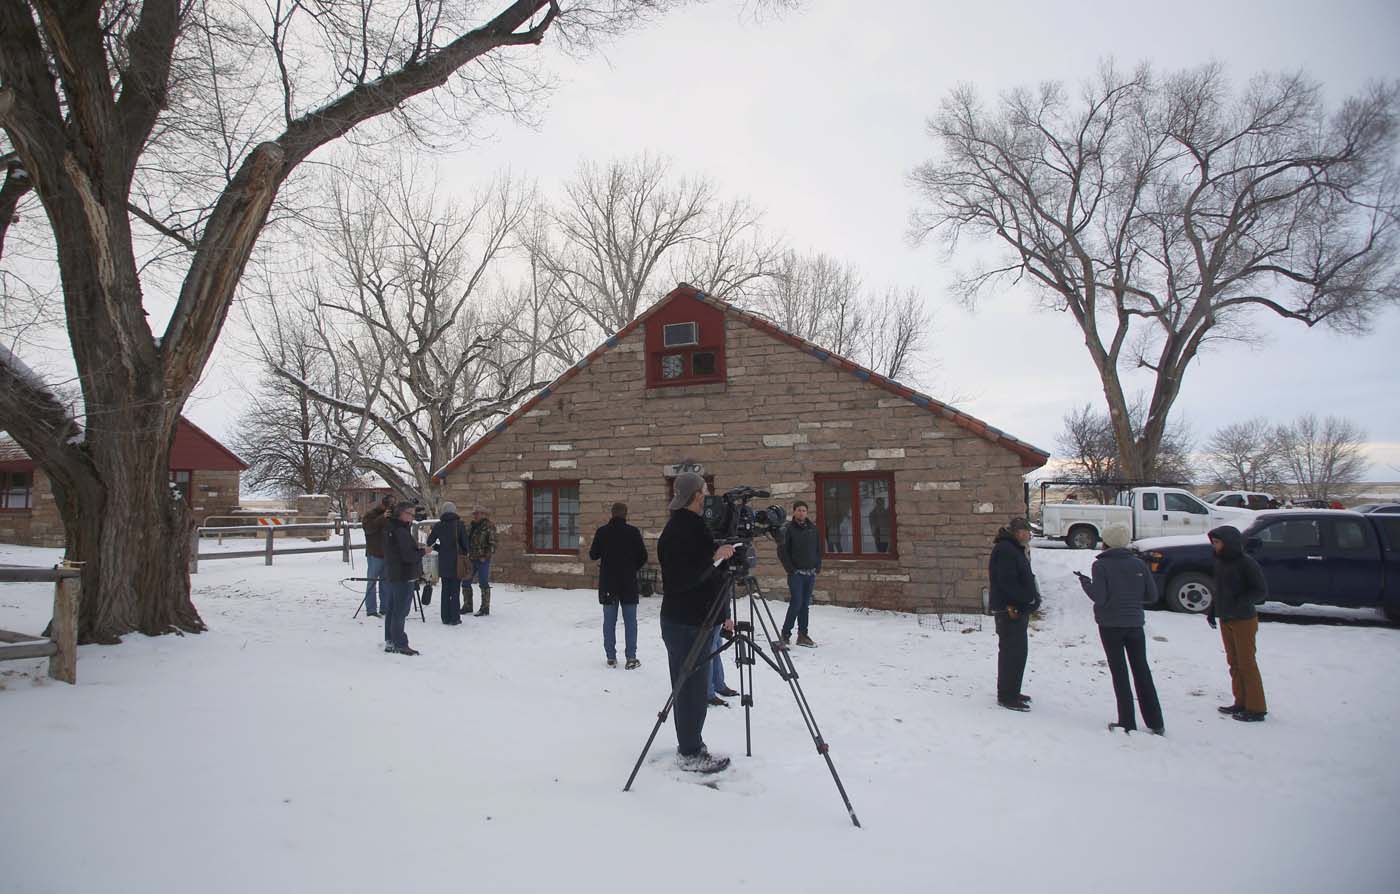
column 1120, row 586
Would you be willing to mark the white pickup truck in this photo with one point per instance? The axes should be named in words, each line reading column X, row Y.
column 1144, row 511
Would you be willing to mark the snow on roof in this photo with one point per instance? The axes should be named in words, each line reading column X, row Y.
column 10, row 451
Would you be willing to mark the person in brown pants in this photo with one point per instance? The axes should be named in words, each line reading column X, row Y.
column 1239, row 585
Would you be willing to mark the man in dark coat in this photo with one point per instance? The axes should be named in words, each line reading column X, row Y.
column 402, row 561
column 1121, row 584
column 690, row 583
column 619, row 549
column 1012, row 596
column 449, row 535
column 373, row 523
column 800, row 552
column 1239, row 585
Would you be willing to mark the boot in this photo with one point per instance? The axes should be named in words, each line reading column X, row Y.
column 467, row 600
column 485, row 601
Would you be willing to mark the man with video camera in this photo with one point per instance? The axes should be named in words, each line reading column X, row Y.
column 403, row 563
column 691, row 583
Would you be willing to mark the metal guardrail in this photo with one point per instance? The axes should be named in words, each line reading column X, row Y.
column 61, row 645
column 269, row 550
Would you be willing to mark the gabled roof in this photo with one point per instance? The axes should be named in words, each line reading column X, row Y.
column 194, row 448
column 1031, row 457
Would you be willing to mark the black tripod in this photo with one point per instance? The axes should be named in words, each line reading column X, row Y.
column 417, row 602
column 746, row 653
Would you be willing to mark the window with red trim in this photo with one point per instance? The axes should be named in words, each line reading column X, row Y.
column 552, row 517
column 855, row 514
column 16, row 490
column 685, row 344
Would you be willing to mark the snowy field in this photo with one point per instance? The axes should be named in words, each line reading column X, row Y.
column 282, row 751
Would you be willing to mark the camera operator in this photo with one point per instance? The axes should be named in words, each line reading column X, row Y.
column 403, row 561
column 691, row 582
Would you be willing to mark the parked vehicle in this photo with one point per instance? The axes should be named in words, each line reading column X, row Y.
column 1243, row 499
column 1144, row 511
column 1381, row 508
column 1322, row 557
column 1313, row 504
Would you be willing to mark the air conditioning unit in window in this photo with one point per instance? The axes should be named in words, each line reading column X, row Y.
column 676, row 335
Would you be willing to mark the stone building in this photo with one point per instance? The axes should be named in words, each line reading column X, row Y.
column 204, row 471
column 906, row 491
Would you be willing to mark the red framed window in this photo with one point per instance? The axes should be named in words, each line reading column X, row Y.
column 552, row 517
column 856, row 515
column 16, row 491
column 180, row 480
column 685, row 344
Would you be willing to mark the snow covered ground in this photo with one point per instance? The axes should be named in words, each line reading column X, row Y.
column 282, row 751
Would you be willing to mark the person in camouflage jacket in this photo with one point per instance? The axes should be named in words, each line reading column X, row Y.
column 481, row 538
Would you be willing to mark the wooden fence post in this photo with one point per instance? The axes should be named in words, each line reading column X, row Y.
column 269, row 545
column 63, row 664
column 345, row 544
column 194, row 551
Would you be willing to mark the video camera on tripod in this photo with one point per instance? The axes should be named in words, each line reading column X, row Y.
column 732, row 521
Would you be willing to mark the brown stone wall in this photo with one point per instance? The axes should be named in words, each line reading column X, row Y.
column 782, row 417
column 213, row 493
column 41, row 525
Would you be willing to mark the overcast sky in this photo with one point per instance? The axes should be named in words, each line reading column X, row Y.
column 817, row 117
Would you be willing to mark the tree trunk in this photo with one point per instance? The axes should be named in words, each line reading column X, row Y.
column 131, row 532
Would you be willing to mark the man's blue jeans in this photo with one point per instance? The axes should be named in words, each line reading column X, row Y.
column 481, row 573
column 629, row 625
column 689, row 708
column 374, row 570
column 800, row 587
column 715, row 677
column 396, row 611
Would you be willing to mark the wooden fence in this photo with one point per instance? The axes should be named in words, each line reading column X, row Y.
column 61, row 645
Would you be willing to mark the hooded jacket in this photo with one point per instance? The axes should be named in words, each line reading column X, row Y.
column 800, row 547
column 449, row 535
column 1239, row 581
column 374, row 523
column 1010, row 579
column 1121, row 585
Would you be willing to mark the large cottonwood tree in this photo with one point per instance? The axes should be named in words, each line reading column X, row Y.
column 1167, row 211
column 157, row 136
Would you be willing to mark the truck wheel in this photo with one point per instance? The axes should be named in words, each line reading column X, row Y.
column 1191, row 592
column 1082, row 537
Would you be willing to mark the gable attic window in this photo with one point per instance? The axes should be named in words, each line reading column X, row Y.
column 677, row 335
column 685, row 345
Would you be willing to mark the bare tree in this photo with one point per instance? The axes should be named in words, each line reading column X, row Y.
column 1323, row 459
column 1161, row 211
column 400, row 315
column 157, row 137
column 284, row 434
column 821, row 299
column 615, row 227
column 1090, row 452
column 1245, row 455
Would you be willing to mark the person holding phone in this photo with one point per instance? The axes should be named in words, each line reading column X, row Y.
column 1120, row 586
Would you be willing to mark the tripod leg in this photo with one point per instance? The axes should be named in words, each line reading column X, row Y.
column 788, row 671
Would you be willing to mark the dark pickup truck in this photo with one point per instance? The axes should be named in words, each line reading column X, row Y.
column 1315, row 556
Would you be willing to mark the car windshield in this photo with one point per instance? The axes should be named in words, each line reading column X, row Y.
column 1211, row 498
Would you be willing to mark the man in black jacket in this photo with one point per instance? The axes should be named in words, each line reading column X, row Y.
column 402, row 561
column 1239, row 584
column 619, row 549
column 1012, row 596
column 690, row 582
column 800, row 552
